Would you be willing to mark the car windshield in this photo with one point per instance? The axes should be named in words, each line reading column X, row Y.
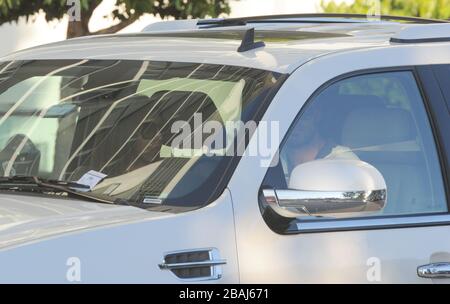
column 131, row 130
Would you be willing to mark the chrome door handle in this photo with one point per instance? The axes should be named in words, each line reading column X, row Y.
column 434, row 271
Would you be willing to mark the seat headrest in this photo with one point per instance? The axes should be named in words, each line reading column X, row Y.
column 377, row 126
column 335, row 110
column 329, row 99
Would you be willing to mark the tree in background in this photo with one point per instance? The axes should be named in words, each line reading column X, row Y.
column 436, row 9
column 126, row 11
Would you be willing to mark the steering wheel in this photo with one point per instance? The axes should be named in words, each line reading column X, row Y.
column 26, row 162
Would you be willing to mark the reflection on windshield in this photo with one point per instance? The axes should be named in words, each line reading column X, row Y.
column 63, row 119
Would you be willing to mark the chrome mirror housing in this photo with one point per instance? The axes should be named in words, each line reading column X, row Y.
column 329, row 188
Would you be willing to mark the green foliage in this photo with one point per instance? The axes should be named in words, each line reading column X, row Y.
column 437, row 9
column 127, row 11
column 179, row 9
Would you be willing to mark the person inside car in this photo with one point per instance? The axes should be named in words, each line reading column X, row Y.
column 312, row 139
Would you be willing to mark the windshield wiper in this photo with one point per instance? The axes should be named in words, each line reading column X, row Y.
column 34, row 180
column 41, row 185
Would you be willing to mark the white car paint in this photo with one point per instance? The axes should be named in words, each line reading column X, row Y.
column 128, row 252
column 24, row 219
column 123, row 244
column 278, row 57
column 334, row 257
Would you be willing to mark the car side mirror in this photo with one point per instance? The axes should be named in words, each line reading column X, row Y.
column 328, row 188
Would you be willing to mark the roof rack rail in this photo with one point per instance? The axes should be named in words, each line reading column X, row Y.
column 296, row 18
column 423, row 34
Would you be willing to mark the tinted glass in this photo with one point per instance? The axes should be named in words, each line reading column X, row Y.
column 379, row 119
column 443, row 74
column 61, row 119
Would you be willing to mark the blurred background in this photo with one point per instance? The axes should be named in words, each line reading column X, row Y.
column 26, row 23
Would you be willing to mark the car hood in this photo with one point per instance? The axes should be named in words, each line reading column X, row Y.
column 28, row 218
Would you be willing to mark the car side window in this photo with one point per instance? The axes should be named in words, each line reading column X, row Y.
column 379, row 119
column 443, row 75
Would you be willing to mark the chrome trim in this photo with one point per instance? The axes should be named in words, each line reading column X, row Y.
column 271, row 198
column 434, row 271
column 326, row 225
column 215, row 263
column 216, row 270
column 164, row 266
column 294, row 203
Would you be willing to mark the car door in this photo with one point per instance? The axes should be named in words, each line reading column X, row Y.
column 391, row 119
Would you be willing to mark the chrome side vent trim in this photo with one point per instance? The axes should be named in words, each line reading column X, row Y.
column 194, row 265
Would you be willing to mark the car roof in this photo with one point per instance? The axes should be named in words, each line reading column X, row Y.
column 289, row 42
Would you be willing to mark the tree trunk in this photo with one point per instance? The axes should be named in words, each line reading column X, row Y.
column 81, row 27
column 78, row 29
column 117, row 27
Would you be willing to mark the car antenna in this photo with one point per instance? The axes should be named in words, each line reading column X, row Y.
column 248, row 41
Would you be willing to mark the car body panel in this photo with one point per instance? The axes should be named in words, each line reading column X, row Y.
column 283, row 57
column 24, row 219
column 338, row 257
column 131, row 251
column 126, row 253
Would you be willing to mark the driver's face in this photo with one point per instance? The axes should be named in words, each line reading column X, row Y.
column 305, row 130
column 150, row 146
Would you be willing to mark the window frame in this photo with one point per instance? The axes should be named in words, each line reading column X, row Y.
column 440, row 71
column 439, row 117
column 434, row 104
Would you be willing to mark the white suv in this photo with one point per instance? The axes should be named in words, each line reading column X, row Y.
column 276, row 149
